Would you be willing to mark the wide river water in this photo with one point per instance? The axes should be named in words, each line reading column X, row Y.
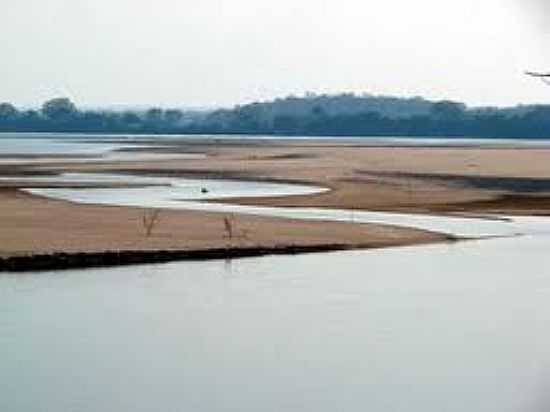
column 448, row 327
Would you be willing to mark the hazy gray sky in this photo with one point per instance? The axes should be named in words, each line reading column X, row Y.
column 221, row 52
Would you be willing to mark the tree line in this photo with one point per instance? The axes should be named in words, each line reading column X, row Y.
column 62, row 115
column 340, row 115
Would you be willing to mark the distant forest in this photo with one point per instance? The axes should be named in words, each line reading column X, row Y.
column 311, row 115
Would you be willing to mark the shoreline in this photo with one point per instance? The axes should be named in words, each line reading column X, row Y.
column 243, row 135
column 82, row 260
column 525, row 199
column 44, row 233
column 37, row 231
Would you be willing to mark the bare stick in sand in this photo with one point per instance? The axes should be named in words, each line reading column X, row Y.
column 228, row 226
column 149, row 220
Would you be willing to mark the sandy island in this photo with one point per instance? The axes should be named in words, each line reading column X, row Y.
column 462, row 180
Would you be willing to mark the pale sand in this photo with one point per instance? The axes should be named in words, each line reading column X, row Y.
column 34, row 225
column 358, row 177
column 354, row 175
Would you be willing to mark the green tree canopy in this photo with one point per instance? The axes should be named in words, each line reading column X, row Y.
column 8, row 111
column 59, row 109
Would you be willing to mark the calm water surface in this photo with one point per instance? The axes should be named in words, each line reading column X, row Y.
column 435, row 328
column 77, row 142
column 38, row 146
column 16, row 147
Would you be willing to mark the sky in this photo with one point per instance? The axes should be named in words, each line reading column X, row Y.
column 211, row 53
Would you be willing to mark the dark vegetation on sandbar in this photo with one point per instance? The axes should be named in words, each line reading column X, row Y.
column 64, row 261
column 81, row 260
column 311, row 115
column 494, row 183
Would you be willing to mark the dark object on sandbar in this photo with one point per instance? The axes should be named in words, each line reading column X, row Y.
column 64, row 261
column 204, row 190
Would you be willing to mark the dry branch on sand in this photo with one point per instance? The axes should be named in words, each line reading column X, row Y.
column 231, row 232
column 149, row 220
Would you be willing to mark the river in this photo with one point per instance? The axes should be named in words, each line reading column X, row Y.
column 431, row 328
column 448, row 327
